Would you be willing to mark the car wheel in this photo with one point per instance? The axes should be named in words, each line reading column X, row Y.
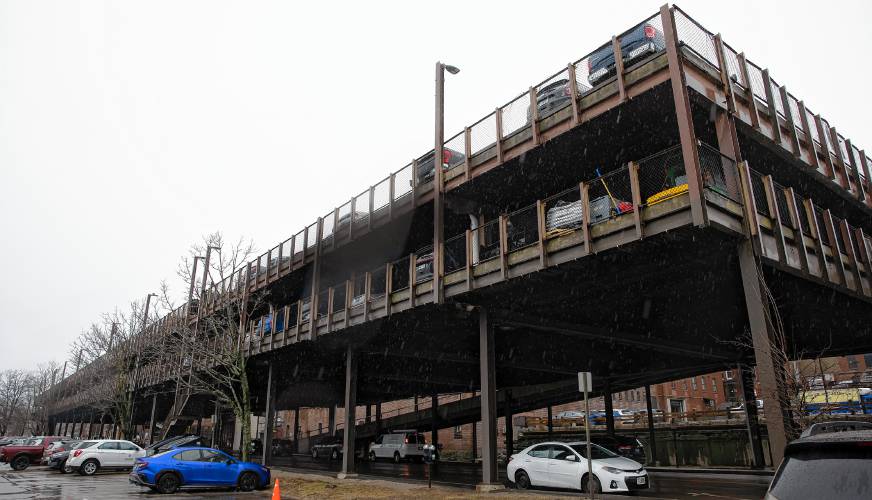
column 66, row 469
column 334, row 455
column 248, row 481
column 314, row 453
column 397, row 457
column 20, row 462
column 372, row 456
column 168, row 483
column 89, row 467
column 597, row 487
column 522, row 480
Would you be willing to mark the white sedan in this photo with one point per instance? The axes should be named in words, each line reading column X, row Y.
column 104, row 454
column 564, row 465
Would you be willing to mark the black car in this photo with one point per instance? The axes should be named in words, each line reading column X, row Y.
column 174, row 442
column 554, row 96
column 450, row 159
column 825, row 466
column 626, row 446
column 328, row 448
column 640, row 42
column 59, row 460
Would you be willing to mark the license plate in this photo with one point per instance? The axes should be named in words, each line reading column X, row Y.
column 641, row 480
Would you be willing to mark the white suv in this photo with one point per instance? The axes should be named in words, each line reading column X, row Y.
column 398, row 445
column 104, row 454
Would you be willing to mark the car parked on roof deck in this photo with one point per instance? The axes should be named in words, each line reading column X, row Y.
column 426, row 170
column 638, row 43
column 564, row 465
column 197, row 467
column 554, row 96
column 104, row 454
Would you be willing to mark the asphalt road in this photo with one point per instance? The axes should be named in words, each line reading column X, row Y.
column 677, row 485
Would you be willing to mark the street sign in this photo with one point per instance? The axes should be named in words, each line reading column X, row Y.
column 585, row 382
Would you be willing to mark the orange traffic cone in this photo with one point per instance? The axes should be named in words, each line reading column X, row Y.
column 277, row 492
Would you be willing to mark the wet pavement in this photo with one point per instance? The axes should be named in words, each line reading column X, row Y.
column 672, row 485
column 43, row 483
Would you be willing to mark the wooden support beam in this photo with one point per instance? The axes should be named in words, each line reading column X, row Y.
column 619, row 68
column 636, row 193
column 470, row 279
column 498, row 114
column 467, row 151
column 540, row 230
column 585, row 216
column 752, row 223
column 573, row 94
column 534, row 117
column 504, row 250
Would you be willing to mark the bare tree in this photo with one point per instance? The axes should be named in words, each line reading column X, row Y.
column 13, row 394
column 209, row 347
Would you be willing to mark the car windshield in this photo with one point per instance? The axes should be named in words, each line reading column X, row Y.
column 596, row 451
column 842, row 473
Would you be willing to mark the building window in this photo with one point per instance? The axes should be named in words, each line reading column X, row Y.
column 458, row 432
column 673, row 384
column 714, row 385
column 702, row 382
column 728, row 374
column 853, row 364
column 685, row 384
column 620, row 396
column 708, row 403
column 693, row 383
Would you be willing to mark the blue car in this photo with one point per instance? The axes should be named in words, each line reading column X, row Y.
column 197, row 467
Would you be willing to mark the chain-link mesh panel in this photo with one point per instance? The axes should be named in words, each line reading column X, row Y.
column 455, row 253
column 553, row 94
column 610, row 196
column 381, row 195
column 400, row 274
column 361, row 208
column 403, row 182
column 837, row 227
column 457, row 146
column 339, row 297
column 522, row 228
column 488, row 236
column 714, row 167
column 483, row 134
column 755, row 75
column 776, row 94
column 733, row 71
column 783, row 208
column 516, row 114
column 563, row 212
column 696, row 37
column 794, row 111
column 662, row 176
column 824, row 235
column 327, row 227
column 759, row 194
column 803, row 215
column 378, row 282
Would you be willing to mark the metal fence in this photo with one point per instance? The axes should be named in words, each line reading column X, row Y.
column 662, row 176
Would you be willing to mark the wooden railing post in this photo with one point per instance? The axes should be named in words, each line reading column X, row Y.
column 498, row 115
column 540, row 230
column 367, row 294
column 503, row 234
column 534, row 116
column 389, row 285
column 749, row 91
column 619, row 68
column 573, row 94
column 330, row 293
column 585, row 217
column 752, row 223
column 467, row 151
column 412, row 279
column 470, row 281
column 773, row 111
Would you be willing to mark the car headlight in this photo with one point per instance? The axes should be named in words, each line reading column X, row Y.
column 612, row 470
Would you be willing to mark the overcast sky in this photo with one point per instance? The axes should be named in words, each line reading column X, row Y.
column 129, row 129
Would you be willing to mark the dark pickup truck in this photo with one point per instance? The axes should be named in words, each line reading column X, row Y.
column 20, row 456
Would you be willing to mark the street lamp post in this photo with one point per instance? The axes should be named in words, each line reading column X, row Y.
column 438, row 159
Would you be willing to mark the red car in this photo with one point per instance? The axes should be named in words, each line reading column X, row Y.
column 22, row 455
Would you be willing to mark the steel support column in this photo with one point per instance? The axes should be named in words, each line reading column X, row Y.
column 378, row 418
column 610, row 409
column 331, row 420
column 487, row 360
column 270, row 414
column 767, row 370
column 749, row 399
column 551, row 422
column 510, row 435
column 652, row 438
column 297, row 430
column 348, row 448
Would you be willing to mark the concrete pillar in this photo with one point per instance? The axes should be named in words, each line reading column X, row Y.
column 550, row 422
column 487, row 371
column 510, row 434
column 237, row 435
column 348, row 448
column 368, row 413
column 610, row 414
column 768, row 370
column 652, row 440
column 331, row 420
column 755, row 439
column 270, row 417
